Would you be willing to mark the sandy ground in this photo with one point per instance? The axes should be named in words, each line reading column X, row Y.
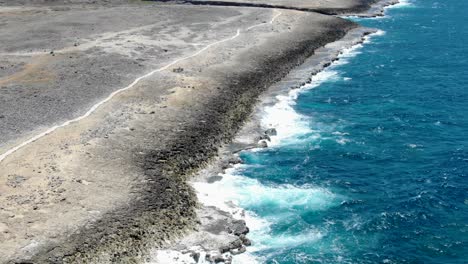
column 91, row 57
column 169, row 84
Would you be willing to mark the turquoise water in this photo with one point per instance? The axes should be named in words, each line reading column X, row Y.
column 374, row 166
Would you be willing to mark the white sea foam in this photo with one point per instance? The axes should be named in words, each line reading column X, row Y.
column 266, row 240
column 177, row 257
column 379, row 33
column 236, row 191
column 400, row 4
column 251, row 193
column 171, row 256
column 247, row 258
column 289, row 124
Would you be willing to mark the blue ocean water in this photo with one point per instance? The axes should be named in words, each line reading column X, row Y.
column 375, row 167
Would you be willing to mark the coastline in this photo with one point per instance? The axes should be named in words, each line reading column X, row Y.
column 117, row 179
column 219, row 210
column 160, row 205
column 214, row 211
column 376, row 9
column 260, row 189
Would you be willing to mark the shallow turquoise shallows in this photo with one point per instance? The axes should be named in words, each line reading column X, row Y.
column 376, row 169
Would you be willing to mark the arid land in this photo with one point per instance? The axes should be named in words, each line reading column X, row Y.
column 108, row 108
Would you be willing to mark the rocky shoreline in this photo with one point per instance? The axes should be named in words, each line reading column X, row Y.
column 131, row 167
column 225, row 244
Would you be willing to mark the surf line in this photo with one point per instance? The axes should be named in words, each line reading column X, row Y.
column 108, row 98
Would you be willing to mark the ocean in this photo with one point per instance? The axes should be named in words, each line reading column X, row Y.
column 370, row 162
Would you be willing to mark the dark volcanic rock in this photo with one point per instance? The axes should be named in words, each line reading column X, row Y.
column 265, row 137
column 239, row 227
column 196, row 256
column 262, row 144
column 271, row 132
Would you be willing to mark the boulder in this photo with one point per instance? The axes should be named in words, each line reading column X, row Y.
column 262, row 144
column 271, row 132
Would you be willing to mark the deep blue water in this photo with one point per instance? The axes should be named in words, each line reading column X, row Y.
column 380, row 175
